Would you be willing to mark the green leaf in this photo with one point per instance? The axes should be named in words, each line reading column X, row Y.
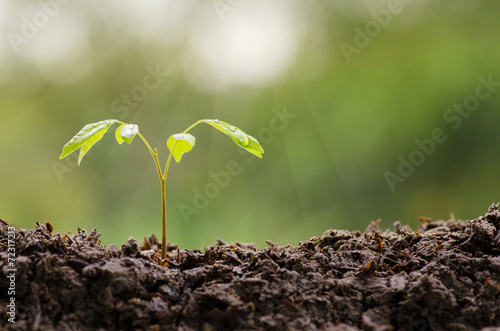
column 239, row 137
column 86, row 138
column 126, row 132
column 118, row 136
column 180, row 143
column 254, row 147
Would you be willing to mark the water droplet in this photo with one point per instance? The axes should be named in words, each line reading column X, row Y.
column 244, row 141
column 232, row 128
column 216, row 121
column 179, row 136
column 129, row 130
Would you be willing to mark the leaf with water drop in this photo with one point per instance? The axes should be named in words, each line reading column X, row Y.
column 239, row 137
column 180, row 143
column 126, row 132
column 254, row 147
column 86, row 138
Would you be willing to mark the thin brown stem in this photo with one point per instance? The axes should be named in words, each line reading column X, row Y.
column 164, row 211
column 154, row 154
column 163, row 179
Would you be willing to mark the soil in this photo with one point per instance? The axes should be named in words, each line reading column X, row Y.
column 445, row 276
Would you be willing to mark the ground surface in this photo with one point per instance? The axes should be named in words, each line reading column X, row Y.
column 445, row 276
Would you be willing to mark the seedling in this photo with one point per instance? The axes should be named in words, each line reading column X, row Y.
column 178, row 144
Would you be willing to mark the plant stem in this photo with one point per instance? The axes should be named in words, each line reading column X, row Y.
column 153, row 154
column 163, row 179
column 164, row 211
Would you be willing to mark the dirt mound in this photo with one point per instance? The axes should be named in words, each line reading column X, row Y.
column 445, row 276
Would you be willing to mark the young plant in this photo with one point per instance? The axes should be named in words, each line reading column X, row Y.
column 178, row 144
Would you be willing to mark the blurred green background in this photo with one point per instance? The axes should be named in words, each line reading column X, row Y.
column 356, row 83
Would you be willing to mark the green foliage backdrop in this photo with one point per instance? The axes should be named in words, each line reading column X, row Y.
column 366, row 110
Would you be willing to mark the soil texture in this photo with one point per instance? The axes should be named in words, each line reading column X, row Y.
column 445, row 276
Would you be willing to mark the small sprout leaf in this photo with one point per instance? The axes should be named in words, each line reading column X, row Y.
column 86, row 138
column 126, row 132
column 118, row 136
column 254, row 147
column 239, row 137
column 180, row 143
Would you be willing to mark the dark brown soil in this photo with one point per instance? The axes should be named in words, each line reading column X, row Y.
column 445, row 276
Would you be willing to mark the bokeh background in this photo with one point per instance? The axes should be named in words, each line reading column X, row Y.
column 355, row 83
